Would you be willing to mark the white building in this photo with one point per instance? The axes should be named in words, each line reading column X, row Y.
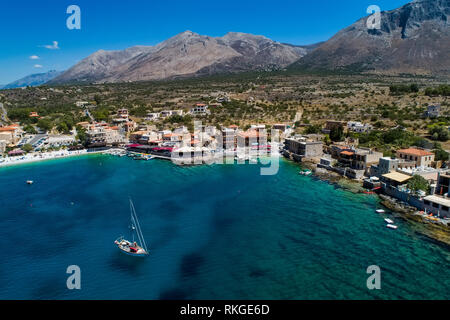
column 152, row 116
column 359, row 127
column 200, row 109
column 60, row 140
column 81, row 103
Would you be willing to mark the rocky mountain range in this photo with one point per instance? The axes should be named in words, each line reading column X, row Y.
column 33, row 80
column 413, row 39
column 186, row 54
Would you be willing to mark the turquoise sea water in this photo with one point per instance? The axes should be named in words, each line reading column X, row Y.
column 215, row 232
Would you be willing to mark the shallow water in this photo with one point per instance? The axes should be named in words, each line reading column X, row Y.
column 214, row 232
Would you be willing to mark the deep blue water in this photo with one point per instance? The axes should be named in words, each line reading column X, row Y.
column 215, row 232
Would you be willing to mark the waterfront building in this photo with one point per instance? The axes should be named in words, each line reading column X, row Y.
column 251, row 137
column 11, row 134
column 300, row 149
column 428, row 173
column 229, row 138
column 137, row 135
column 384, row 166
column 420, row 157
column 189, row 155
column 59, row 140
column 326, row 162
column 364, row 158
column 443, row 183
column 395, row 179
column 438, row 205
column 100, row 135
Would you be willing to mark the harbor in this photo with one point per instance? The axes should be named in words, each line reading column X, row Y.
column 290, row 239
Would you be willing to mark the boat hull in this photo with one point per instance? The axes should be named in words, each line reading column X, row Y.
column 140, row 255
column 125, row 245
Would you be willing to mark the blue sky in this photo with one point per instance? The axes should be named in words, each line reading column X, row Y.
column 27, row 26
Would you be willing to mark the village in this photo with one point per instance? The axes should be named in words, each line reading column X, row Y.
column 412, row 175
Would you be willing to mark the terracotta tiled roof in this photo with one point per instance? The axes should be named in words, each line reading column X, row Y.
column 416, row 152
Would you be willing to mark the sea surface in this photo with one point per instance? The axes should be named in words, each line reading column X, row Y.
column 214, row 232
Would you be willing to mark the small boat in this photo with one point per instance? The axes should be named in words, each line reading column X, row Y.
column 305, row 172
column 380, row 211
column 389, row 221
column 391, row 226
column 134, row 248
column 29, row 181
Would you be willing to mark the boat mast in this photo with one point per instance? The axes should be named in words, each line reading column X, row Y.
column 135, row 222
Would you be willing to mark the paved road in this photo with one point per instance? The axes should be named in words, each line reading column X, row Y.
column 89, row 115
column 3, row 113
column 36, row 138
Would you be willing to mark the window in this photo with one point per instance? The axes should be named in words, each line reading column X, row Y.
column 435, row 205
column 426, row 202
column 444, row 208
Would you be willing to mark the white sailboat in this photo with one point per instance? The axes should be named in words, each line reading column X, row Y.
column 134, row 248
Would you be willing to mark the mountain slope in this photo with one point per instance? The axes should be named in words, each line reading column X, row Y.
column 33, row 80
column 413, row 39
column 186, row 54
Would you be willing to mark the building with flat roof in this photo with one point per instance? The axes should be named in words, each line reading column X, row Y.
column 437, row 205
column 300, row 149
column 395, row 178
column 384, row 166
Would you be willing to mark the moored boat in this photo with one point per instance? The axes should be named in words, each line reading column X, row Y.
column 305, row 172
column 391, row 226
column 380, row 211
column 389, row 221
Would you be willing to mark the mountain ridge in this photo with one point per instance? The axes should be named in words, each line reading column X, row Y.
column 414, row 38
column 35, row 79
column 187, row 54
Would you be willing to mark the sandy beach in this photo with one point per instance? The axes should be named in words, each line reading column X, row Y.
column 35, row 157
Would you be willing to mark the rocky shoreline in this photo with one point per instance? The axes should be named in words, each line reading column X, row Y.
column 435, row 230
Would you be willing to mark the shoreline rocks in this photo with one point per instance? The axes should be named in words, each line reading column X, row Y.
column 436, row 231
